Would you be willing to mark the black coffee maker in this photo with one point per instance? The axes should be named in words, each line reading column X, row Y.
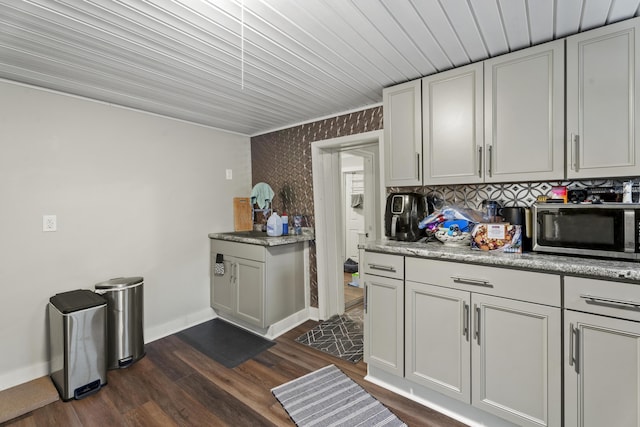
column 403, row 213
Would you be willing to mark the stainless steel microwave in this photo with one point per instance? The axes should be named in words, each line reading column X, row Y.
column 601, row 230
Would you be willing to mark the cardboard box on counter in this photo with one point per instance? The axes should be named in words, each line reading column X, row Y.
column 500, row 237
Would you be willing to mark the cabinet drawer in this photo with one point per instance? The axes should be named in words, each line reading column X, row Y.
column 384, row 265
column 541, row 288
column 602, row 297
column 239, row 250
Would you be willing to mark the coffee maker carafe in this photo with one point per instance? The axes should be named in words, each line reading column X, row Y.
column 403, row 213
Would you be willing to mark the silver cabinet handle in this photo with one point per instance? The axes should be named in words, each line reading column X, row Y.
column 465, row 320
column 490, row 161
column 419, row 169
column 382, row 267
column 366, row 297
column 600, row 300
column 576, row 152
column 470, row 281
column 479, row 162
column 573, row 347
column 476, row 328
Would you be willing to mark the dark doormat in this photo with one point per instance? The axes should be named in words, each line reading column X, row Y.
column 225, row 343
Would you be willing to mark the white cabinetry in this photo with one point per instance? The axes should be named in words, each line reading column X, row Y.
column 402, row 134
column 452, row 120
column 506, row 322
column 384, row 311
column 524, row 114
column 603, row 101
column 260, row 285
column 602, row 353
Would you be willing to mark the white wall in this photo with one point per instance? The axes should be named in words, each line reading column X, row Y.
column 135, row 195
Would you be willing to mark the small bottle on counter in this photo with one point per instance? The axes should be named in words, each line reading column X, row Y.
column 285, row 224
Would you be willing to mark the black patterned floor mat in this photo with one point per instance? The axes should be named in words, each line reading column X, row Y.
column 340, row 336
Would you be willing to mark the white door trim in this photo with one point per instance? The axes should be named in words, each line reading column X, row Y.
column 327, row 196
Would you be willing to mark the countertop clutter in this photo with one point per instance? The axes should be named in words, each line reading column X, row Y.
column 260, row 237
column 569, row 265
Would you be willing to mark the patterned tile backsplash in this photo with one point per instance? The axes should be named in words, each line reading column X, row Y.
column 516, row 194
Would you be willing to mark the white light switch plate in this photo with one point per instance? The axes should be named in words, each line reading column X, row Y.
column 229, row 174
column 49, row 223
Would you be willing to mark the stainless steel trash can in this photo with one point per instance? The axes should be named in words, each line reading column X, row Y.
column 125, row 340
column 77, row 343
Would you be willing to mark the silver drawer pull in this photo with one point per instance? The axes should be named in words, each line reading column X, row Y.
column 382, row 267
column 601, row 300
column 468, row 281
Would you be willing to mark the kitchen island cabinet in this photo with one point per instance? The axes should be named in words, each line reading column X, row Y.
column 603, row 101
column 260, row 285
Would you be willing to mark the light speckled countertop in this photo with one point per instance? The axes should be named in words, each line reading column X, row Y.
column 261, row 238
column 546, row 263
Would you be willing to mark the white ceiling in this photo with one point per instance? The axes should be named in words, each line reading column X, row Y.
column 250, row 66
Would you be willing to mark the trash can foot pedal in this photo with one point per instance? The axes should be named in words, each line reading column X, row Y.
column 86, row 390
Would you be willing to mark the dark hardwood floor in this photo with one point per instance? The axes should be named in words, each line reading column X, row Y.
column 174, row 384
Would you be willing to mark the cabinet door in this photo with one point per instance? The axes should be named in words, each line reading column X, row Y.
column 602, row 371
column 249, row 304
column 602, row 101
column 384, row 323
column 516, row 360
column 437, row 349
column 524, row 114
column 452, row 114
column 223, row 287
column 402, row 134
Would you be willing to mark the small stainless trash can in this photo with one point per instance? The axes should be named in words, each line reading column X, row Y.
column 77, row 343
column 125, row 340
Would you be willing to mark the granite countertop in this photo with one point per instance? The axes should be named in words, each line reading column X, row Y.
column 261, row 238
column 535, row 261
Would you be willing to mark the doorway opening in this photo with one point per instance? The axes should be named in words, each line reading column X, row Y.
column 330, row 200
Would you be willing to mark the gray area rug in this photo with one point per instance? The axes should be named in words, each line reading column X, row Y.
column 340, row 336
column 327, row 397
column 225, row 343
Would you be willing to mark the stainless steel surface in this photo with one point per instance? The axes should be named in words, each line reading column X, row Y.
column 382, row 267
column 465, row 320
column 608, row 301
column 125, row 318
column 476, row 329
column 571, row 343
column 628, row 251
column 479, row 162
column 470, row 281
column 78, row 350
column 490, row 161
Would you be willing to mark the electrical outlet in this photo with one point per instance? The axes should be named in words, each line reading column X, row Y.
column 229, row 174
column 49, row 223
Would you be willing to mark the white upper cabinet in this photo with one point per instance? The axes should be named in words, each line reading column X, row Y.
column 402, row 134
column 452, row 115
column 524, row 114
column 602, row 102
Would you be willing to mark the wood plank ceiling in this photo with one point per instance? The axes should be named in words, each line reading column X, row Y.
column 250, row 66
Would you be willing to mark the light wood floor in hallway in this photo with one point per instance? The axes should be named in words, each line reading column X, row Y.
column 175, row 385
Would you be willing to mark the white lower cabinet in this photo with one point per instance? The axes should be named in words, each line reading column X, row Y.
column 437, row 352
column 260, row 285
column 498, row 354
column 602, row 353
column 384, row 313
